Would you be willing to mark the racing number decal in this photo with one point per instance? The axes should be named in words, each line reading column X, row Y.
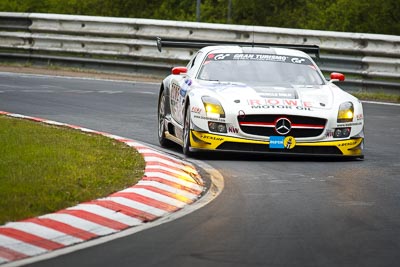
column 178, row 94
column 174, row 100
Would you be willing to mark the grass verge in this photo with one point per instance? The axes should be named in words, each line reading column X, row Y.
column 45, row 168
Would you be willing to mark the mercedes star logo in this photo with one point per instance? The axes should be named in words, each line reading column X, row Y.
column 283, row 126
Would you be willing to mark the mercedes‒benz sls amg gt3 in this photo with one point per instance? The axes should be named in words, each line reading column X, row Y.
column 257, row 98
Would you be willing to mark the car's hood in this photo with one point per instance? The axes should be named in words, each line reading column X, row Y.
column 316, row 97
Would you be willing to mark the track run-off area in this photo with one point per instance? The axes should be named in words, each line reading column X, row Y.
column 272, row 211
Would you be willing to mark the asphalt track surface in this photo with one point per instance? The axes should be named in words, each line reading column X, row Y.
column 272, row 212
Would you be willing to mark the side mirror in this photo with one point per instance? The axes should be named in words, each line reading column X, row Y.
column 337, row 77
column 178, row 70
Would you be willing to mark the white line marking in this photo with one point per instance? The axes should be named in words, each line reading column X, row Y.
column 44, row 76
column 380, row 103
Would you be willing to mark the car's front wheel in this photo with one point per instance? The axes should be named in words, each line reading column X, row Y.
column 161, row 121
column 186, row 132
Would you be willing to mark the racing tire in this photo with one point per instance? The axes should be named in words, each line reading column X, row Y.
column 186, row 132
column 164, row 142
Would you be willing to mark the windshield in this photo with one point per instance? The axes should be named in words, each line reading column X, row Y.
column 260, row 69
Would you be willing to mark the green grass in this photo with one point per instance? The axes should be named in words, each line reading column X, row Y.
column 45, row 168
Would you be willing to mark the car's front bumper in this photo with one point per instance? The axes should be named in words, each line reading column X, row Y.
column 205, row 141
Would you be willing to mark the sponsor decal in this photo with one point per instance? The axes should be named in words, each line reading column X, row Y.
column 175, row 107
column 276, row 142
column 174, row 92
column 281, row 142
column 329, row 133
column 196, row 110
column 272, row 103
column 208, row 118
column 259, row 57
column 280, row 107
column 221, row 56
column 185, row 87
column 349, row 124
column 360, row 117
column 277, row 94
column 210, row 137
column 233, row 129
column 289, row 142
column 178, row 94
column 280, row 102
column 297, row 60
column 350, row 143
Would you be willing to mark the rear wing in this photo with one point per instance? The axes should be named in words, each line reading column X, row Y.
column 309, row 49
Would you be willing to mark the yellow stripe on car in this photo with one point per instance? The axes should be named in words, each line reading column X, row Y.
column 201, row 140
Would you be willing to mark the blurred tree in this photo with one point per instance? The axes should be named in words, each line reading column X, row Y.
column 372, row 16
column 176, row 10
column 214, row 11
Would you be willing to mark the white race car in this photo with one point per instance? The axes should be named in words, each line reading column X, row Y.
column 257, row 99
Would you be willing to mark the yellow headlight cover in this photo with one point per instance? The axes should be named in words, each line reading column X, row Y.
column 346, row 112
column 213, row 107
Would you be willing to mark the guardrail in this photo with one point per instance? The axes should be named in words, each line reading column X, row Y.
column 370, row 61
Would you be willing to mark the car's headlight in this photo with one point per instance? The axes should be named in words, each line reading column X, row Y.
column 346, row 112
column 213, row 107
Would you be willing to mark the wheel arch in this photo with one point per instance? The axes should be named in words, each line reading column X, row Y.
column 164, row 88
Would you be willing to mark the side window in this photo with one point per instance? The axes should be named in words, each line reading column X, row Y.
column 191, row 63
column 194, row 61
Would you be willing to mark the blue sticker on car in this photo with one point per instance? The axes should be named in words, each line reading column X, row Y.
column 276, row 142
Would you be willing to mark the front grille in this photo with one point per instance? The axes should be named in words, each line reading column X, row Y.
column 264, row 125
